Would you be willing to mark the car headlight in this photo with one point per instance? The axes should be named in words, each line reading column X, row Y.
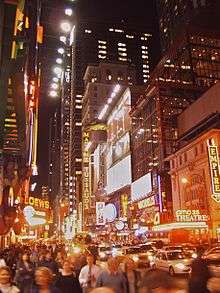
column 194, row 255
column 180, row 266
column 135, row 258
column 102, row 254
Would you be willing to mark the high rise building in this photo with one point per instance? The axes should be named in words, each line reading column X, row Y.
column 21, row 36
column 104, row 42
column 176, row 15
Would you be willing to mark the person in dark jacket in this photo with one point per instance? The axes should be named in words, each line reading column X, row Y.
column 132, row 276
column 49, row 263
column 67, row 281
column 24, row 273
column 44, row 280
column 199, row 276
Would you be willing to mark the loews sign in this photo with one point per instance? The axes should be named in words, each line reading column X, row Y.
column 190, row 216
column 37, row 203
column 214, row 170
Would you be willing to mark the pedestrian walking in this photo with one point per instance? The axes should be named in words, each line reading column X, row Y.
column 2, row 260
column 89, row 274
column 24, row 275
column 48, row 262
column 113, row 278
column 199, row 276
column 67, row 281
column 6, row 285
column 132, row 276
column 44, row 281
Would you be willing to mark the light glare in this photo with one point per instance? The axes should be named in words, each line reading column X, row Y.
column 53, row 94
column 66, row 27
column 59, row 61
column 61, row 51
column 68, row 11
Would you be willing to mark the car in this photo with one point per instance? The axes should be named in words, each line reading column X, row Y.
column 104, row 252
column 139, row 255
column 213, row 262
column 172, row 261
column 211, row 250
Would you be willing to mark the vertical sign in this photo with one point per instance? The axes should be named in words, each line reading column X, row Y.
column 214, row 170
column 100, row 220
column 86, row 186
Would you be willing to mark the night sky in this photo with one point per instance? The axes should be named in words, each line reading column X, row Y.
column 140, row 11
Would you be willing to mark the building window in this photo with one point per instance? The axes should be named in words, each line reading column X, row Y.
column 196, row 151
column 88, row 31
column 202, row 148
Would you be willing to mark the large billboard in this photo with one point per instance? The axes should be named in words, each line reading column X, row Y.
column 119, row 175
column 141, row 187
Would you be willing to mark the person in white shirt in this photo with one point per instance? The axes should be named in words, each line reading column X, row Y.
column 89, row 274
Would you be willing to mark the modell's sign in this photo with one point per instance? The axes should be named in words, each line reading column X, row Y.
column 37, row 203
column 214, row 170
column 190, row 216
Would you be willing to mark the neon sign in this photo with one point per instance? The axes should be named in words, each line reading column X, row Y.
column 147, row 202
column 86, row 187
column 190, row 216
column 37, row 202
column 214, row 170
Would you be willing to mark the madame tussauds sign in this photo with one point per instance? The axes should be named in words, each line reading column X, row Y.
column 190, row 216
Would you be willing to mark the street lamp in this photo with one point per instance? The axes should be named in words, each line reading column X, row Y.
column 57, row 70
column 61, row 51
column 54, row 86
column 59, row 61
column 68, row 11
column 55, row 79
column 65, row 26
column 53, row 94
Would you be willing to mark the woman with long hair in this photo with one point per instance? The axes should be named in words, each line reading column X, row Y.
column 24, row 273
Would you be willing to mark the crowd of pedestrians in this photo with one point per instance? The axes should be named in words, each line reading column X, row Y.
column 44, row 269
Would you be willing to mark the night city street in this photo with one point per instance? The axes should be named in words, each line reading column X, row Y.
column 109, row 146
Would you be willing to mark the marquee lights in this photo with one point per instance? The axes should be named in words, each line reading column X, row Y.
column 113, row 95
column 179, row 225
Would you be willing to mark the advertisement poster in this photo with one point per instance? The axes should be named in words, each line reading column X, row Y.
column 100, row 219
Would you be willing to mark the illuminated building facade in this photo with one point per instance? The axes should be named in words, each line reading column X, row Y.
column 180, row 78
column 194, row 168
column 104, row 84
column 104, row 42
column 176, row 15
column 21, row 37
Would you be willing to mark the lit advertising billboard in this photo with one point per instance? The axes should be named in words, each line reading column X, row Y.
column 141, row 187
column 119, row 175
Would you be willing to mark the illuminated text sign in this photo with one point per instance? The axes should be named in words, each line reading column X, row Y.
column 147, row 202
column 190, row 216
column 214, row 169
column 37, row 202
column 86, row 188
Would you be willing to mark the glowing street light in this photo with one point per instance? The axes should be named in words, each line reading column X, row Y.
column 65, row 26
column 54, row 86
column 55, row 79
column 68, row 11
column 63, row 39
column 53, row 94
column 61, row 51
column 59, row 61
column 57, row 70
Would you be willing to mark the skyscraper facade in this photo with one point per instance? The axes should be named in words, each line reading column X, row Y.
column 104, row 42
column 176, row 15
